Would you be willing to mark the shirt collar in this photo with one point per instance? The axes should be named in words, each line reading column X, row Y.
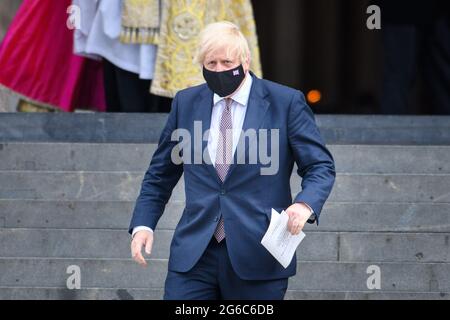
column 242, row 95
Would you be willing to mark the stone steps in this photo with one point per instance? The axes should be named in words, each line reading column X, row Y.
column 68, row 183
column 135, row 157
column 146, row 128
column 311, row 275
column 317, row 246
column 36, row 293
column 336, row 216
column 124, row 186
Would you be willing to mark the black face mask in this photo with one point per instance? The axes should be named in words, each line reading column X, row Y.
column 226, row 82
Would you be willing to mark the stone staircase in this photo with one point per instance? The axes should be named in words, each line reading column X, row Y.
column 68, row 183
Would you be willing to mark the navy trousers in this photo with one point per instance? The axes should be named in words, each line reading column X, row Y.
column 126, row 92
column 213, row 278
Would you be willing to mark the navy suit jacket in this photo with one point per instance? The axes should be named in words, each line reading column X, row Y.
column 246, row 197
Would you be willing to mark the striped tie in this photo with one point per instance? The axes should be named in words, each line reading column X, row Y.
column 224, row 155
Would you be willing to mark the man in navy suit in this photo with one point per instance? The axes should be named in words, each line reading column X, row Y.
column 229, row 127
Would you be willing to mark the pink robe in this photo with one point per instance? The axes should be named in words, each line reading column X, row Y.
column 37, row 60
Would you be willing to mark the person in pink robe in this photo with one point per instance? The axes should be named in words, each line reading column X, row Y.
column 37, row 61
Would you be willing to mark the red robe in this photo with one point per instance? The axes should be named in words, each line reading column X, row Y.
column 37, row 60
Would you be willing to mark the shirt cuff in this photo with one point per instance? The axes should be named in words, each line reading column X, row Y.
column 140, row 228
column 313, row 217
column 310, row 209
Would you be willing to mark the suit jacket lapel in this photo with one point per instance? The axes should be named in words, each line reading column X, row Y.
column 256, row 111
column 203, row 113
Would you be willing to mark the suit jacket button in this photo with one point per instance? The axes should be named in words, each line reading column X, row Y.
column 223, row 192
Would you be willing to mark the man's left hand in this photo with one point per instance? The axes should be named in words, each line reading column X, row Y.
column 299, row 214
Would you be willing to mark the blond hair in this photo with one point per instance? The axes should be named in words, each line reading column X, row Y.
column 222, row 34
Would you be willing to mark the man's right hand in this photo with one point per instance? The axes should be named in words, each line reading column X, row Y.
column 141, row 238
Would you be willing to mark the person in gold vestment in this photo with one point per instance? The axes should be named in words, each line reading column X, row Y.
column 181, row 22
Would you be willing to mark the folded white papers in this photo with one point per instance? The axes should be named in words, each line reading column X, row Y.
column 279, row 241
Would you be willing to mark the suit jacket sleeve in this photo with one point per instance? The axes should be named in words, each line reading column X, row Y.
column 315, row 163
column 160, row 178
